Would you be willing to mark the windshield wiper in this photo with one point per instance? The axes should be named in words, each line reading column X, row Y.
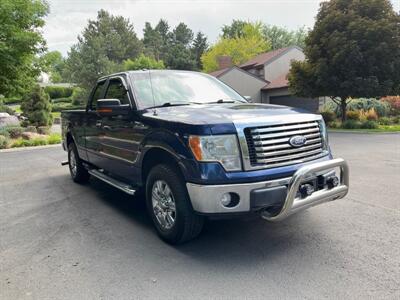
column 221, row 101
column 168, row 104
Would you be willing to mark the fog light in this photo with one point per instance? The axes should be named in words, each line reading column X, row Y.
column 230, row 200
column 306, row 190
column 332, row 182
column 226, row 199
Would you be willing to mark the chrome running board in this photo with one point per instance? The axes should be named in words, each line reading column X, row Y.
column 112, row 181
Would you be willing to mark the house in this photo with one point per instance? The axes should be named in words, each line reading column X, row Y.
column 264, row 78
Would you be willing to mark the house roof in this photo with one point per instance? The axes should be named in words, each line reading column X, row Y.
column 221, row 72
column 266, row 57
column 280, row 82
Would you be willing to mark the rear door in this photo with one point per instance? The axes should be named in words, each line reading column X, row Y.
column 93, row 126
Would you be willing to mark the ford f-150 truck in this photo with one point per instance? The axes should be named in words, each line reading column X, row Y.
column 196, row 148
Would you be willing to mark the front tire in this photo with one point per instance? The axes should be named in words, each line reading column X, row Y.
column 78, row 172
column 169, row 206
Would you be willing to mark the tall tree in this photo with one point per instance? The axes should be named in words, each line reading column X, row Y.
column 281, row 37
column 143, row 62
column 53, row 63
column 352, row 51
column 199, row 46
column 235, row 30
column 183, row 34
column 152, row 41
column 240, row 49
column 20, row 41
column 104, row 44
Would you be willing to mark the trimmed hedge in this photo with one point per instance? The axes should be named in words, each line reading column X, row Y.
column 56, row 92
column 58, row 107
column 5, row 108
column 12, row 100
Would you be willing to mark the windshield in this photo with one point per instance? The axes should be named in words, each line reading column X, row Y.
column 180, row 87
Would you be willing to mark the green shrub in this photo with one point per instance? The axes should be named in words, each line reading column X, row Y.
column 43, row 130
column 369, row 125
column 385, row 121
column 353, row 115
column 15, row 131
column 37, row 107
column 58, row 91
column 351, row 124
column 13, row 100
column 3, row 142
column 31, row 129
column 79, row 97
column 396, row 120
column 62, row 100
column 54, row 138
column 394, row 103
column 366, row 104
column 334, row 124
column 6, row 109
column 328, row 116
column 4, row 132
column 58, row 107
column 381, row 107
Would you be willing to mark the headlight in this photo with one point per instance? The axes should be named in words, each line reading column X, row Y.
column 324, row 133
column 217, row 148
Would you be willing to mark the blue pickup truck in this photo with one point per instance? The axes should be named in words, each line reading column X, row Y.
column 195, row 149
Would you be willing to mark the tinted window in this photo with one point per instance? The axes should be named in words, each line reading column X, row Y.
column 97, row 94
column 116, row 90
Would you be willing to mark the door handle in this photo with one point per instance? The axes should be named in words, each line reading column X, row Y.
column 98, row 124
column 138, row 124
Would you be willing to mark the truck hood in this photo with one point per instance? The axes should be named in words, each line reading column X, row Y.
column 226, row 113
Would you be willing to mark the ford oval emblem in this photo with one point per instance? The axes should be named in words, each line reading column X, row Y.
column 297, row 141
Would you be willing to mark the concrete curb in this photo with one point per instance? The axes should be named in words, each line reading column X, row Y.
column 29, row 148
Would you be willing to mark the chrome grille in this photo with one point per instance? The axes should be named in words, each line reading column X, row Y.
column 269, row 145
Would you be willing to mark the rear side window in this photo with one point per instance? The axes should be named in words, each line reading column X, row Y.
column 116, row 90
column 96, row 95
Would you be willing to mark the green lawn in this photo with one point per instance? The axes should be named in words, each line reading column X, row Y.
column 381, row 128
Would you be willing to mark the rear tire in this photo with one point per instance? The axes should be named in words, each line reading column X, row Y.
column 78, row 172
column 168, row 204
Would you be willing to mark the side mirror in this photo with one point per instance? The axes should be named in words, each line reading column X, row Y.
column 248, row 98
column 112, row 107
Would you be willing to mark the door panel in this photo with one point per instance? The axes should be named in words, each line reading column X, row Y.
column 121, row 135
column 93, row 128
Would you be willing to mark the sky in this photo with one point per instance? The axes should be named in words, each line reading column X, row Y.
column 67, row 18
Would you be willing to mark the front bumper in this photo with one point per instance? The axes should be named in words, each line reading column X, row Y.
column 206, row 198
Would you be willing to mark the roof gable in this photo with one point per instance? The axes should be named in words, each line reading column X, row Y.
column 267, row 57
column 221, row 72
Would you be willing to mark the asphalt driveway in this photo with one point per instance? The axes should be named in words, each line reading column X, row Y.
column 60, row 240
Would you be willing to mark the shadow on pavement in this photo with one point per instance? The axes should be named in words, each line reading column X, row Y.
column 239, row 241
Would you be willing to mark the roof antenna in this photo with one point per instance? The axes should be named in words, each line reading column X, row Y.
column 152, row 93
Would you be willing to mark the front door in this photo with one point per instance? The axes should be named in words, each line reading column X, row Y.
column 121, row 134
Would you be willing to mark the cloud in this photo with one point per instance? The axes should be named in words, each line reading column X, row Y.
column 67, row 18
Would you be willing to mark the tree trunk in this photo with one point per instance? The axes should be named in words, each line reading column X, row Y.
column 343, row 108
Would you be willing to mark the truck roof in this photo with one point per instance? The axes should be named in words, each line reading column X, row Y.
column 144, row 71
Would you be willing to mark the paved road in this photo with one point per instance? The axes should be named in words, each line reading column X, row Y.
column 59, row 240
